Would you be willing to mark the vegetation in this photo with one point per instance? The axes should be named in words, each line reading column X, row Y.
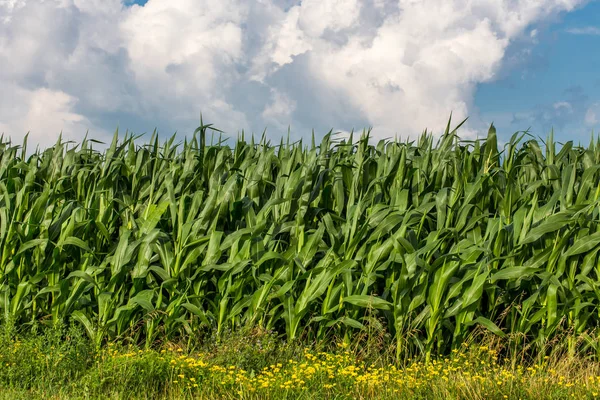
column 156, row 243
column 62, row 364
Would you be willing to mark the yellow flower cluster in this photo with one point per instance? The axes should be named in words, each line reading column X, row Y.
column 469, row 372
column 476, row 371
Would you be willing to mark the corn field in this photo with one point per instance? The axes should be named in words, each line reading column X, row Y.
column 429, row 239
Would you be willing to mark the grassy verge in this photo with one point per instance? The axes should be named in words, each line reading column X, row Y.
column 257, row 365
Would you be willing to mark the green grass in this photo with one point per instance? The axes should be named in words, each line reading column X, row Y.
column 64, row 364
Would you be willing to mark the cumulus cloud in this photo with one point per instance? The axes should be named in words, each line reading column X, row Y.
column 41, row 111
column 396, row 65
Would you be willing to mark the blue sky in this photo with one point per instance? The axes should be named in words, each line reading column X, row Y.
column 397, row 66
column 563, row 67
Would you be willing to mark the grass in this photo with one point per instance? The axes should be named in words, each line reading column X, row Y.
column 64, row 364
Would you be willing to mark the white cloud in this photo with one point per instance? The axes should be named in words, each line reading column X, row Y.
column 397, row 65
column 36, row 58
column 280, row 110
column 318, row 15
column 45, row 114
column 592, row 115
column 7, row 7
column 183, row 55
column 424, row 61
column 560, row 105
column 588, row 30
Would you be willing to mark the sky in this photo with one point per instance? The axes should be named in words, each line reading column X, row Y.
column 397, row 66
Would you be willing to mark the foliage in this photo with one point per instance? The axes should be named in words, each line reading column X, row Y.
column 44, row 360
column 117, row 370
column 429, row 241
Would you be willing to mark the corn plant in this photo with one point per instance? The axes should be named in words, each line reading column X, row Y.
column 430, row 238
